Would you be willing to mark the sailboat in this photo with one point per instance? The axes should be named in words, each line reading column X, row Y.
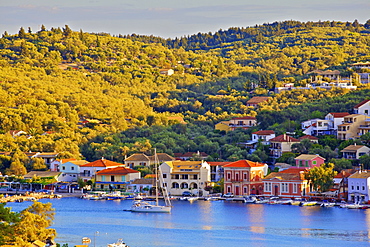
column 146, row 207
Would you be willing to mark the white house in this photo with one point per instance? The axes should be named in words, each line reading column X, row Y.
column 179, row 176
column 359, row 187
column 362, row 108
column 71, row 170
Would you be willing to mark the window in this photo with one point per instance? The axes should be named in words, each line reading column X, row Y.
column 363, row 187
column 228, row 176
column 123, row 178
column 164, row 175
column 284, row 187
column 314, row 162
column 245, row 176
column 63, row 167
column 175, row 185
column 72, row 168
column 103, row 178
column 112, row 178
column 268, row 187
column 184, row 176
column 195, row 176
column 295, row 188
column 306, row 163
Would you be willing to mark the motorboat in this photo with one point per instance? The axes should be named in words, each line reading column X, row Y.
column 250, row 199
column 119, row 243
column 308, row 203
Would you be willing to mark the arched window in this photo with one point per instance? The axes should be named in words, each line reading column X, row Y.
column 175, row 185
column 184, row 186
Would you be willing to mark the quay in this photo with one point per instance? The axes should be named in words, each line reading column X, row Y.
column 11, row 196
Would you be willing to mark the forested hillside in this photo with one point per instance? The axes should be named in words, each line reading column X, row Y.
column 75, row 92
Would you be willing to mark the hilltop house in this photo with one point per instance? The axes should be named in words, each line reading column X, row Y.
column 244, row 177
column 288, row 183
column 354, row 152
column 179, row 176
column 239, row 122
column 262, row 135
column 281, row 144
column 190, row 155
column 362, row 108
column 327, row 126
column 115, row 178
column 312, row 139
column 309, row 161
column 350, row 128
column 254, row 101
column 56, row 164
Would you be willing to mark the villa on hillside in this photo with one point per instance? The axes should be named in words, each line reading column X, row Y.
column 141, row 159
column 89, row 170
column 354, row 152
column 281, row 144
column 238, row 122
column 308, row 161
column 254, row 101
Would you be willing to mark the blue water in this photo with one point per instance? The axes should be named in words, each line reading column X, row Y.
column 207, row 224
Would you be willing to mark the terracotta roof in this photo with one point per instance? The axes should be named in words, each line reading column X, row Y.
column 137, row 157
column 308, row 157
column 179, row 164
column 244, row 163
column 264, row 132
column 362, row 103
column 353, row 148
column 308, row 137
column 284, row 138
column 339, row 114
column 116, row 171
column 102, row 163
column 144, row 181
column 257, row 99
column 218, row 163
column 285, row 176
column 294, row 170
column 343, row 174
column 246, row 117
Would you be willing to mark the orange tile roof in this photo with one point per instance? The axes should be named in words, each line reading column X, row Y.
column 246, row 117
column 257, row 99
column 116, row 171
column 218, row 163
column 244, row 163
column 102, row 163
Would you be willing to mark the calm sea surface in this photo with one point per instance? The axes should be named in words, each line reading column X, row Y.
column 207, row 224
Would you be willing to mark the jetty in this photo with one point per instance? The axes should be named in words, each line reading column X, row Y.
column 26, row 196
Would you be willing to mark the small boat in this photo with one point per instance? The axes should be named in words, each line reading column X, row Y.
column 119, row 243
column 327, row 204
column 309, row 203
column 250, row 199
column 191, row 199
column 354, row 206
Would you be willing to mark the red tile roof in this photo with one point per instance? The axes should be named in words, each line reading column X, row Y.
column 339, row 114
column 102, row 163
column 257, row 100
column 264, row 132
column 116, row 171
column 244, row 163
column 362, row 103
column 284, row 138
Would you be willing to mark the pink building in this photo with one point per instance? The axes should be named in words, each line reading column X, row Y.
column 244, row 177
column 289, row 183
column 308, row 161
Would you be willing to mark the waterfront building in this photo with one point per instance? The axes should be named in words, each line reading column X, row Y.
column 141, row 159
column 115, row 178
column 179, row 176
column 88, row 171
column 244, row 177
column 359, row 187
column 217, row 170
column 71, row 170
column 289, row 183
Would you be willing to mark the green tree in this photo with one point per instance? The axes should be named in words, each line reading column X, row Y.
column 321, row 178
column 7, row 221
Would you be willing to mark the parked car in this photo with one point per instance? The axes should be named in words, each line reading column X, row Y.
column 187, row 193
column 228, row 195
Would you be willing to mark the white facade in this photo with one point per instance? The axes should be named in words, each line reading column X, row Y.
column 71, row 170
column 363, row 109
column 359, row 187
column 179, row 176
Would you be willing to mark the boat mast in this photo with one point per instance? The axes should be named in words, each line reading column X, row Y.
column 156, row 176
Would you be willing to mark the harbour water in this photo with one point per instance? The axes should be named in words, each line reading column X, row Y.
column 207, row 224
